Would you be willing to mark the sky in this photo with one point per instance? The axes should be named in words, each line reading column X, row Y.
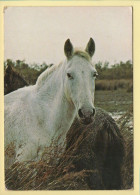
column 38, row 34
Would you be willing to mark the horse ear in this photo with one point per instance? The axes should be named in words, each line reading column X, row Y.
column 9, row 69
column 68, row 48
column 90, row 48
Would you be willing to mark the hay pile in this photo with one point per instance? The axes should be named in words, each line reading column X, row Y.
column 85, row 164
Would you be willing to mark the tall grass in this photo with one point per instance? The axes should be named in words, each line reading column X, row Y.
column 114, row 84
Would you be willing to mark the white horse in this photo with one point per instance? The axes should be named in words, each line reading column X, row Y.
column 36, row 114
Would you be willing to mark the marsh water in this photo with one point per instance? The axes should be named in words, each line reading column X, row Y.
column 116, row 102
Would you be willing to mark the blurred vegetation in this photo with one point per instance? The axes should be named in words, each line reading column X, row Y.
column 122, row 70
column 29, row 72
column 110, row 77
column 116, row 76
column 115, row 84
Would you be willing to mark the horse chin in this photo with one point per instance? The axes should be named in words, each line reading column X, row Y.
column 86, row 121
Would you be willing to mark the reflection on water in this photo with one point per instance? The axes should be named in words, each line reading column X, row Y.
column 117, row 116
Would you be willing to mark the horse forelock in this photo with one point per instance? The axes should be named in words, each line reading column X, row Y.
column 83, row 54
column 43, row 76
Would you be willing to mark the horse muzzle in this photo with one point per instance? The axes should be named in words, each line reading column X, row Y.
column 86, row 115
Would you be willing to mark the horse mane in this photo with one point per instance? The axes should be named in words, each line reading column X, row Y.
column 46, row 73
column 43, row 76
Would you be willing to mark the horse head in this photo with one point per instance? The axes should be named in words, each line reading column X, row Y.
column 12, row 80
column 79, row 80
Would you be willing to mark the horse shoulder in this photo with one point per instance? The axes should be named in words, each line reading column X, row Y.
column 17, row 111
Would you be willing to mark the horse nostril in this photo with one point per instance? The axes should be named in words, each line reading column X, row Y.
column 80, row 113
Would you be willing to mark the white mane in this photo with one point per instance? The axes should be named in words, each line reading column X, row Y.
column 43, row 76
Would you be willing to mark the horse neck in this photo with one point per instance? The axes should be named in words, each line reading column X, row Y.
column 62, row 111
column 51, row 85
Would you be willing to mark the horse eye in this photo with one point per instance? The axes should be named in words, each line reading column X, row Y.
column 95, row 74
column 69, row 76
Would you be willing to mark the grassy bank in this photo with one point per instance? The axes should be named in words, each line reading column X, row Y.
column 114, row 101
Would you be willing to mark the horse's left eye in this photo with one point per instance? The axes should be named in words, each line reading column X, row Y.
column 95, row 74
column 69, row 76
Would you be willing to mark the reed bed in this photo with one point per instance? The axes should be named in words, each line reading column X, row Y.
column 51, row 172
column 127, row 132
column 115, row 84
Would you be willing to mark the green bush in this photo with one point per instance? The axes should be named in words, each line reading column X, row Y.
column 117, row 71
